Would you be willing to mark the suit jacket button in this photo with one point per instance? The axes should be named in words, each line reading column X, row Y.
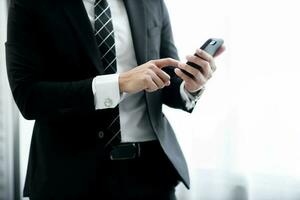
column 101, row 134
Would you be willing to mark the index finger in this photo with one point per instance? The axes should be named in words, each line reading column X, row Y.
column 161, row 63
column 206, row 56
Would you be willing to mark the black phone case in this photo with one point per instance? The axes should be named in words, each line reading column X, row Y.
column 211, row 46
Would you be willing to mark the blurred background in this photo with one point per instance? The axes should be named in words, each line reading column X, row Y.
column 242, row 141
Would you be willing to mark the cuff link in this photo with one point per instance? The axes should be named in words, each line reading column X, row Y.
column 108, row 102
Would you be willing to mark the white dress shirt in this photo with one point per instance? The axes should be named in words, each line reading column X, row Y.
column 134, row 120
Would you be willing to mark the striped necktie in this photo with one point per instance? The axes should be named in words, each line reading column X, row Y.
column 104, row 34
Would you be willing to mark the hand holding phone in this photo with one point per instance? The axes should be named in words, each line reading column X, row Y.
column 211, row 46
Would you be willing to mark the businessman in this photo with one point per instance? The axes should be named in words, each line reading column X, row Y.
column 94, row 75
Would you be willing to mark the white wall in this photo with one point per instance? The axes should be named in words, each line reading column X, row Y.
column 256, row 82
column 247, row 121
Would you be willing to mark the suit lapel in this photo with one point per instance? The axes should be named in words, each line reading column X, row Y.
column 137, row 20
column 77, row 15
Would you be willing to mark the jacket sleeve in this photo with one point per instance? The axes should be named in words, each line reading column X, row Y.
column 34, row 96
column 171, row 94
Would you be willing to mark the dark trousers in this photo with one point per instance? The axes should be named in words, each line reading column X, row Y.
column 149, row 177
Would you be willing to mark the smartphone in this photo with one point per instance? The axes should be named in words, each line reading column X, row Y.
column 211, row 46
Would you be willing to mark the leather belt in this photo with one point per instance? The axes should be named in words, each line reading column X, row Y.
column 129, row 151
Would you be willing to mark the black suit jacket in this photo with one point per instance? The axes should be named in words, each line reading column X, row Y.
column 52, row 58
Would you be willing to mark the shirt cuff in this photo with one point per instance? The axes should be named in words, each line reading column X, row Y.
column 190, row 99
column 106, row 91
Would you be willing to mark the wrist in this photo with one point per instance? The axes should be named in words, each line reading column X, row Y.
column 194, row 92
column 122, row 82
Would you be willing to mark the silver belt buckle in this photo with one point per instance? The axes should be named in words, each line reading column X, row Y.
column 126, row 151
